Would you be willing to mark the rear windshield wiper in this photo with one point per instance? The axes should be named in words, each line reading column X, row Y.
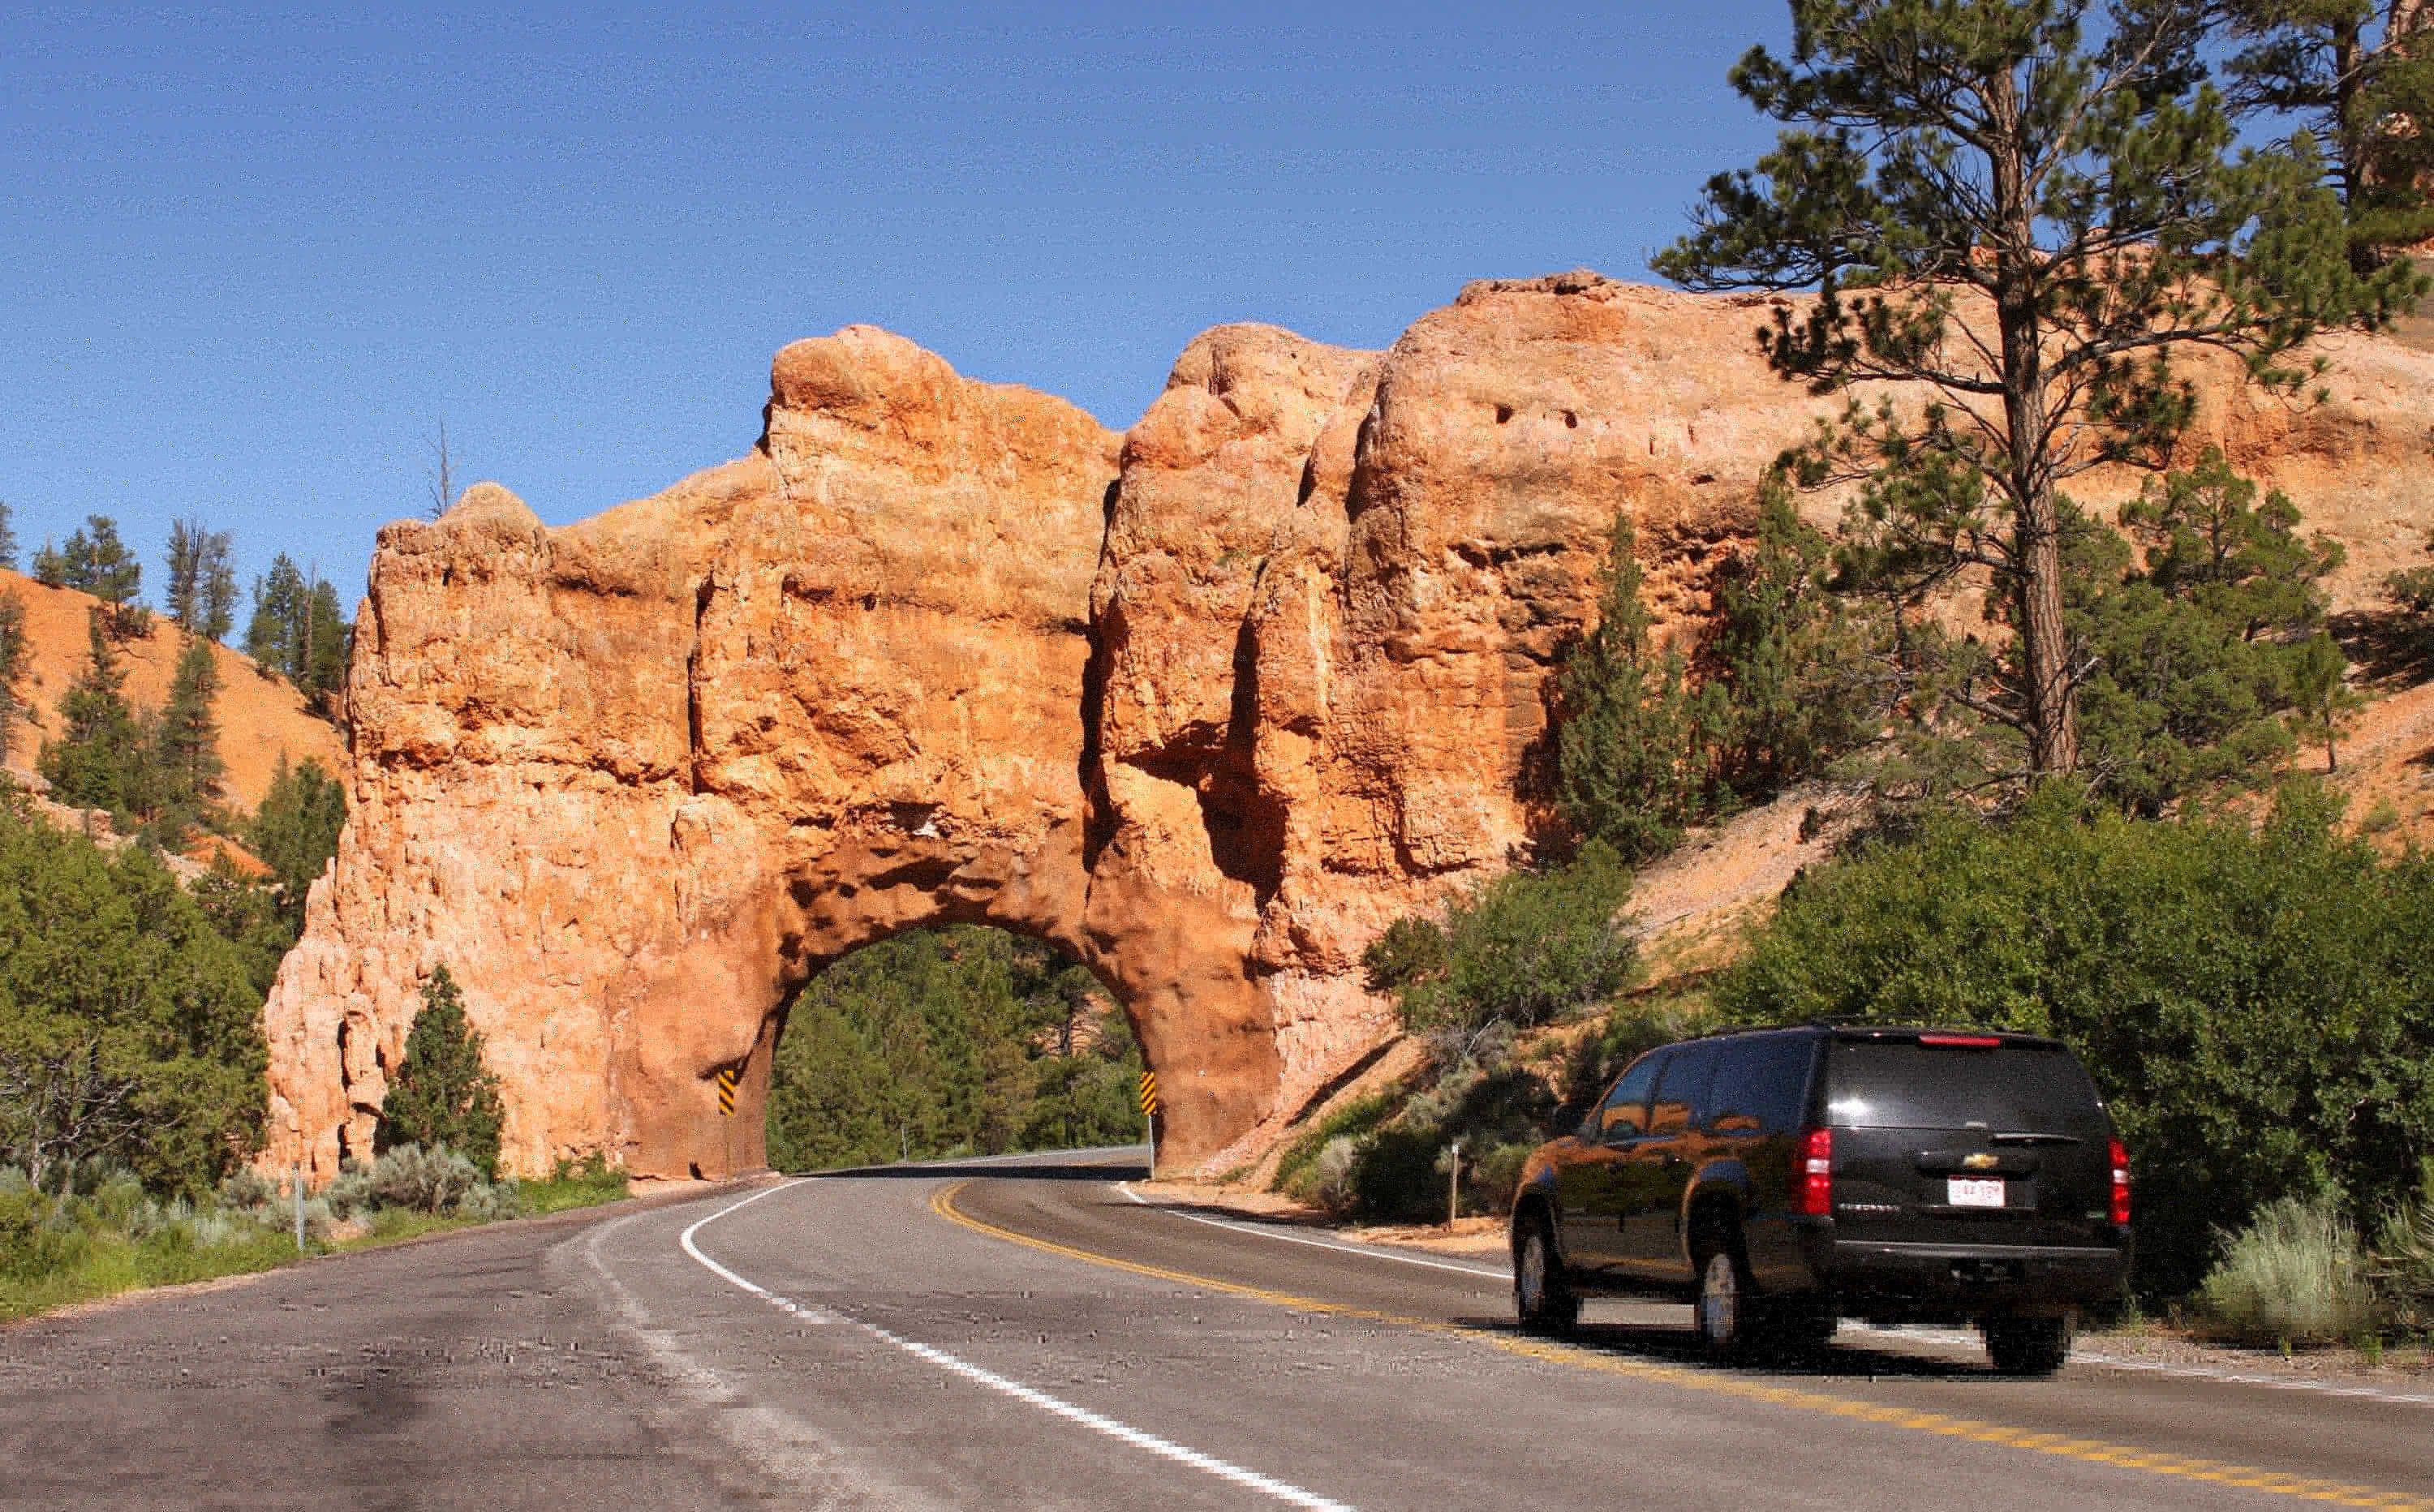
column 2033, row 1139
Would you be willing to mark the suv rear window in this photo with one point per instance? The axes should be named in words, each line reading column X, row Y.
column 1900, row 1083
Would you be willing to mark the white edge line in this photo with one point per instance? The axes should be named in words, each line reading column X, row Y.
column 1126, row 1188
column 1099, row 1423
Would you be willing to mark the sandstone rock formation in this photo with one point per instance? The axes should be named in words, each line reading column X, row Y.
column 1208, row 703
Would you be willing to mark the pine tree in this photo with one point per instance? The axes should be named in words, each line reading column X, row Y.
column 202, row 583
column 219, row 589
column 299, row 631
column 279, row 602
column 99, row 759
column 442, row 1094
column 296, row 831
column 2031, row 226
column 321, row 667
column 7, row 537
column 14, row 650
column 2352, row 78
column 50, row 566
column 183, row 598
column 128, row 1031
column 186, row 743
column 1790, row 655
column 1633, row 748
column 98, row 562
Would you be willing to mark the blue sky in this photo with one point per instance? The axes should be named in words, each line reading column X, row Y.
column 253, row 261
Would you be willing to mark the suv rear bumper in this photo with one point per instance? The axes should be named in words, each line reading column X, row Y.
column 1866, row 1275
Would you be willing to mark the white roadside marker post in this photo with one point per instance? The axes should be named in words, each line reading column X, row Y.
column 299, row 1173
column 1453, row 1186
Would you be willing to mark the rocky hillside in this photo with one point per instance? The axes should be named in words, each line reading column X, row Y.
column 1206, row 703
column 261, row 717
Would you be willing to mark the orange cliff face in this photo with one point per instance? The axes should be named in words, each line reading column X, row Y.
column 1208, row 703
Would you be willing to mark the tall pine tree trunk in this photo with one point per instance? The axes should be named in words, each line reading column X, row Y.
column 2050, row 705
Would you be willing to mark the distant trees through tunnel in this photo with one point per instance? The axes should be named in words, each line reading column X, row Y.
column 958, row 1041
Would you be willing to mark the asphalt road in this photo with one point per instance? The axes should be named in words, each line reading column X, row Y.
column 1027, row 1334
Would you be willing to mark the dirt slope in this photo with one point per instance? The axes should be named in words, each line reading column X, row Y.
column 261, row 717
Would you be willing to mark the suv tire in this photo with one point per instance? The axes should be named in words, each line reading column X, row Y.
column 1725, row 1308
column 2028, row 1345
column 1541, row 1298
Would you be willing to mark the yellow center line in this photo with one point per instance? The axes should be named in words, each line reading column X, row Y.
column 2089, row 1451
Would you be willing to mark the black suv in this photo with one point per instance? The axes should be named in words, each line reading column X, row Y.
column 1784, row 1179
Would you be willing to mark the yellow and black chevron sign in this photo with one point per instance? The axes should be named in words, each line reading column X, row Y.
column 1149, row 1094
column 727, row 1093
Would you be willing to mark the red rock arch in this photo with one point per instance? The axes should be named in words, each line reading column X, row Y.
column 1208, row 703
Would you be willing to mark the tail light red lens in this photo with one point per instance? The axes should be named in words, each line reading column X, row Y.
column 2121, row 1183
column 1812, row 1174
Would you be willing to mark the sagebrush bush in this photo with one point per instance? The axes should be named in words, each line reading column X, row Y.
column 438, row 1182
column 1330, row 1174
column 246, row 1188
column 2295, row 1274
column 56, row 1250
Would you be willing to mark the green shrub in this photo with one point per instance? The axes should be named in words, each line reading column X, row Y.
column 1394, row 1169
column 1329, row 1177
column 573, row 1184
column 1298, row 1173
column 130, row 1033
column 59, row 1250
column 1499, row 1171
column 2295, row 1274
column 1398, row 1177
column 1516, row 951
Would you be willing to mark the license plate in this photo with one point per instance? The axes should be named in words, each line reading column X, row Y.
column 1974, row 1191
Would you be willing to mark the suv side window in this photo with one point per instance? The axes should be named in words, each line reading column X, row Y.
column 1761, row 1086
column 1623, row 1115
column 1681, row 1089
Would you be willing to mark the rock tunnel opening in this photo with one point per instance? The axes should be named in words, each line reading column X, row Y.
column 949, row 1040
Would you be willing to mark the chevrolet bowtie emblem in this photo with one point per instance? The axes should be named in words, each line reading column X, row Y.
column 1981, row 1163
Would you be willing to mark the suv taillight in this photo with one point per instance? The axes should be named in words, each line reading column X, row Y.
column 2121, row 1183
column 1812, row 1174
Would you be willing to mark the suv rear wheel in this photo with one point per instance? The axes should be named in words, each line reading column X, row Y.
column 1541, row 1298
column 1726, row 1305
column 2028, row 1345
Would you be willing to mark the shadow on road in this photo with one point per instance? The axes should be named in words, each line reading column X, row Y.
column 1658, row 1343
column 1109, row 1168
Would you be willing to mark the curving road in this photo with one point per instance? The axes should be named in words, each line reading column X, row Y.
column 1031, row 1333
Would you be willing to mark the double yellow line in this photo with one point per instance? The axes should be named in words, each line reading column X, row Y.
column 2090, row 1450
